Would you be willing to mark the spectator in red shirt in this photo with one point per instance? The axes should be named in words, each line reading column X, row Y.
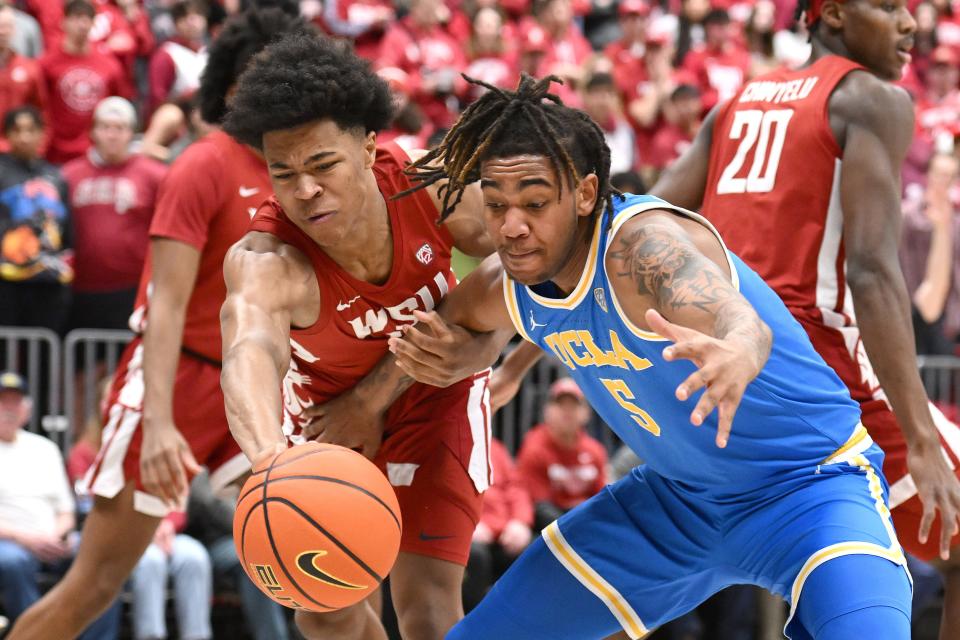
column 938, row 109
column 721, row 64
column 504, row 528
column 628, row 52
column 560, row 464
column 683, row 115
column 567, row 49
column 121, row 29
column 489, row 52
column 363, row 21
column 112, row 195
column 176, row 66
column 21, row 81
column 420, row 46
column 409, row 128
column 77, row 79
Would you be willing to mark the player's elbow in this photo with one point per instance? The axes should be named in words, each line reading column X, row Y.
column 866, row 273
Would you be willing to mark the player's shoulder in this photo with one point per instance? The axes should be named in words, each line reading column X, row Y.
column 861, row 97
column 204, row 154
column 261, row 258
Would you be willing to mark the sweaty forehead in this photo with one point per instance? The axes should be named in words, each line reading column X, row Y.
column 517, row 172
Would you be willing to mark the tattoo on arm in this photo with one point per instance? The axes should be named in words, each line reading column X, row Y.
column 672, row 271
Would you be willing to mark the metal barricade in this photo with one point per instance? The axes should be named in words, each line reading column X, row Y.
column 34, row 353
column 513, row 421
column 90, row 356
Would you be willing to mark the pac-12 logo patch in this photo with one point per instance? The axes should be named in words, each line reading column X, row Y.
column 425, row 253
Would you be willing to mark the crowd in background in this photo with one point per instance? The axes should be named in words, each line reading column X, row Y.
column 97, row 98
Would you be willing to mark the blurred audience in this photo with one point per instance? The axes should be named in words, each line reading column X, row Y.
column 559, row 463
column 34, row 270
column 111, row 194
column 78, row 77
column 180, row 561
column 21, row 81
column 602, row 103
column 37, row 522
column 177, row 64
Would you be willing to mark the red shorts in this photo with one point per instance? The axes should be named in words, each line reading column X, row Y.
column 198, row 412
column 437, row 457
column 854, row 369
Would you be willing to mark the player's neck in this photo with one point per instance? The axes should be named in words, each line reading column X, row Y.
column 367, row 252
column 826, row 45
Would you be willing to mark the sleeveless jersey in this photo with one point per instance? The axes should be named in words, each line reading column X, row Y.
column 357, row 317
column 205, row 201
column 793, row 416
column 773, row 185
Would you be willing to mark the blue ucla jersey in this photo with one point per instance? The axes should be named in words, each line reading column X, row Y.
column 794, row 415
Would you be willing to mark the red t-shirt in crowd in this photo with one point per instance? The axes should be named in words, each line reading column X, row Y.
column 669, row 143
column 507, row 498
column 21, row 82
column 422, row 53
column 720, row 74
column 111, row 207
column 75, row 85
column 206, row 201
column 562, row 476
column 629, row 66
column 113, row 34
column 941, row 116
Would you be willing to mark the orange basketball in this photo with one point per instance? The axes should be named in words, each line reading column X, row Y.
column 317, row 528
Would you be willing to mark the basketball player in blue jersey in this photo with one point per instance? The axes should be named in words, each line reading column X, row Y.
column 775, row 482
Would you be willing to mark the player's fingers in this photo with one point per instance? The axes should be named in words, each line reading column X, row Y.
column 425, row 342
column 695, row 348
column 926, row 521
column 708, row 401
column 665, row 328
column 414, row 355
column 694, row 382
column 177, row 481
column 727, row 409
column 437, row 324
column 947, row 526
column 189, row 462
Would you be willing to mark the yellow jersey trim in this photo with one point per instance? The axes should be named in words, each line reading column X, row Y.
column 593, row 581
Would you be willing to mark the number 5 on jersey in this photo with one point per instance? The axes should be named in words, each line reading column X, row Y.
column 623, row 395
column 764, row 133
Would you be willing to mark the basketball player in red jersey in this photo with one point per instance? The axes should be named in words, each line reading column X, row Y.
column 166, row 414
column 800, row 173
column 331, row 269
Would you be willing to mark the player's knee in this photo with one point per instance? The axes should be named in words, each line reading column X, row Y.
column 316, row 626
column 430, row 619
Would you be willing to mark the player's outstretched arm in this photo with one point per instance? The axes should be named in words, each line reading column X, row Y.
column 668, row 276
column 264, row 288
column 683, row 182
column 874, row 122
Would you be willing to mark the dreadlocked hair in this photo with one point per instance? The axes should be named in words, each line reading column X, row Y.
column 502, row 123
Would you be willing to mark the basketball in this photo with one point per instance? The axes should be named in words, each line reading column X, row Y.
column 317, row 528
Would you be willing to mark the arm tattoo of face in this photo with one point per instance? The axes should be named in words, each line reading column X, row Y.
column 667, row 267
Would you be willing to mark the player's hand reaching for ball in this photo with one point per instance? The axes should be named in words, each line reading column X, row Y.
column 938, row 489
column 724, row 368
column 349, row 421
column 166, row 463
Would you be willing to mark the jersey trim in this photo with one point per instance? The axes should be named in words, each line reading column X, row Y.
column 588, row 577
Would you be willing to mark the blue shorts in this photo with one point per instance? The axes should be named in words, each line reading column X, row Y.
column 647, row 550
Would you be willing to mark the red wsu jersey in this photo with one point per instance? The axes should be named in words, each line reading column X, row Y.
column 357, row 317
column 206, row 201
column 773, row 186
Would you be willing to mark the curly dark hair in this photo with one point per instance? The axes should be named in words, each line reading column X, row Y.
column 299, row 79
column 242, row 37
column 505, row 123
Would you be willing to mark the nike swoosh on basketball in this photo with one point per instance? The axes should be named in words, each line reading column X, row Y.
column 306, row 563
column 427, row 538
column 346, row 305
column 246, row 192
